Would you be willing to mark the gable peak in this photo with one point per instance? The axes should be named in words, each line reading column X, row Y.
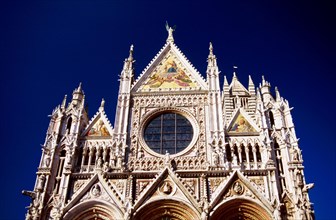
column 183, row 71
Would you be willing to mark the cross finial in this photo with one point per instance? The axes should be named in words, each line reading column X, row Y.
column 234, row 71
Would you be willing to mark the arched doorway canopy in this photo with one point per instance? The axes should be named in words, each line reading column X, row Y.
column 93, row 210
column 240, row 209
column 166, row 210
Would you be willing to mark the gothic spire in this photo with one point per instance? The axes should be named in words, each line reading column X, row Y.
column 258, row 95
column 210, row 49
column 250, row 81
column 79, row 89
column 64, row 102
column 277, row 94
column 251, row 87
column 128, row 63
column 226, row 82
column 211, row 57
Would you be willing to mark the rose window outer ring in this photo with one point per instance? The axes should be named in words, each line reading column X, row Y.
column 156, row 113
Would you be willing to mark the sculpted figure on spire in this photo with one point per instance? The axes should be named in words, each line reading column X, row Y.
column 170, row 32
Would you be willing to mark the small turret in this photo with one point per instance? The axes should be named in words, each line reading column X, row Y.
column 77, row 96
column 64, row 102
column 265, row 89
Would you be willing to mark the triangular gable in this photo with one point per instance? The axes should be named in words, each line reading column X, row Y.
column 238, row 185
column 96, row 187
column 236, row 88
column 99, row 126
column 165, row 184
column 168, row 71
column 242, row 124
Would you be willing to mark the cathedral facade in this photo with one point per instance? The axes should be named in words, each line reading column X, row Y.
column 182, row 147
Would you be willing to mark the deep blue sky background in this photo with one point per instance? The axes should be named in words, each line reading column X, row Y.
column 48, row 47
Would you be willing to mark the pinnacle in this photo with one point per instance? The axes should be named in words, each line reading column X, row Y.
column 79, row 89
column 211, row 49
column 130, row 57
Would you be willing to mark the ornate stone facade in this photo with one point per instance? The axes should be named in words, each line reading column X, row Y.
column 180, row 148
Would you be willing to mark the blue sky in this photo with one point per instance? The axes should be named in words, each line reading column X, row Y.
column 48, row 47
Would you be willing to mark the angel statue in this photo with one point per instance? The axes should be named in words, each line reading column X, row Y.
column 170, row 32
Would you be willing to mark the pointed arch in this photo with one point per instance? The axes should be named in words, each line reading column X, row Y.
column 166, row 209
column 258, row 153
column 250, row 153
column 236, row 153
column 271, row 118
column 94, row 209
column 68, row 127
column 59, row 163
column 243, row 153
column 240, row 209
column 228, row 152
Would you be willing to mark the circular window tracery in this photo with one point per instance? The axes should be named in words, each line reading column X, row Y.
column 168, row 132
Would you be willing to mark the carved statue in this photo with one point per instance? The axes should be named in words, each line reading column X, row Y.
column 68, row 157
column 106, row 167
column 205, row 207
column 299, row 179
column 46, row 161
column 170, row 31
column 215, row 158
column 99, row 162
column 41, row 182
column 96, row 190
column 141, row 154
column 119, row 161
column 57, row 205
column 113, row 160
column 167, row 157
column 235, row 160
column 295, row 155
column 167, row 188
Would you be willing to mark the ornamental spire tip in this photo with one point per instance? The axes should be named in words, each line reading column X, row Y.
column 170, row 30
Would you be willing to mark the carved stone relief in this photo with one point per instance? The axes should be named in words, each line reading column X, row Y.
column 141, row 185
column 214, row 182
column 167, row 187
